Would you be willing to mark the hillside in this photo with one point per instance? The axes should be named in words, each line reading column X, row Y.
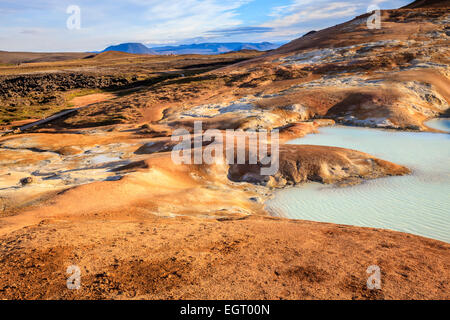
column 12, row 58
column 393, row 77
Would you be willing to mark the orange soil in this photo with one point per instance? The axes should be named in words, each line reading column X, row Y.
column 90, row 99
column 141, row 256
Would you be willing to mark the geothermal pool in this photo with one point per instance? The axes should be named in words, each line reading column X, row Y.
column 417, row 204
column 440, row 124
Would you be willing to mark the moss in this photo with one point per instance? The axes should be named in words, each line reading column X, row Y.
column 28, row 112
column 38, row 111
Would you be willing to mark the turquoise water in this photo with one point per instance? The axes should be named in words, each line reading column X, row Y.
column 417, row 204
column 440, row 124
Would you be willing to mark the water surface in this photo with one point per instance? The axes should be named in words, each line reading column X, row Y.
column 418, row 204
column 440, row 124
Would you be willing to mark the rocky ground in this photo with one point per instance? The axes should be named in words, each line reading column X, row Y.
column 98, row 189
column 43, row 88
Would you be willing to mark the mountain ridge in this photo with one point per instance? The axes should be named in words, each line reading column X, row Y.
column 215, row 47
column 210, row 48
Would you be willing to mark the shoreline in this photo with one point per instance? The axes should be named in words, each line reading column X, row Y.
column 377, row 186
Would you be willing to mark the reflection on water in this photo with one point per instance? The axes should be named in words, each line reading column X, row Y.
column 418, row 204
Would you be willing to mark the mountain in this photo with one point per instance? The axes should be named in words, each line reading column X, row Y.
column 214, row 48
column 136, row 48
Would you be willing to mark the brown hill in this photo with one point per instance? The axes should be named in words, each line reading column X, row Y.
column 400, row 24
column 7, row 57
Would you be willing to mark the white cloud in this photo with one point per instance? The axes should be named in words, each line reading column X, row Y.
column 180, row 19
column 301, row 16
column 111, row 22
column 298, row 13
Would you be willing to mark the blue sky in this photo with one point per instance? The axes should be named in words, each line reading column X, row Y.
column 40, row 25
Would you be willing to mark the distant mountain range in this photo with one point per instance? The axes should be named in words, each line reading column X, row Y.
column 214, row 48
column 201, row 48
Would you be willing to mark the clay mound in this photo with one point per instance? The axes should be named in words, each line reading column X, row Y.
column 428, row 4
column 304, row 163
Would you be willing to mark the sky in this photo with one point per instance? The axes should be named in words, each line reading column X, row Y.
column 91, row 25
